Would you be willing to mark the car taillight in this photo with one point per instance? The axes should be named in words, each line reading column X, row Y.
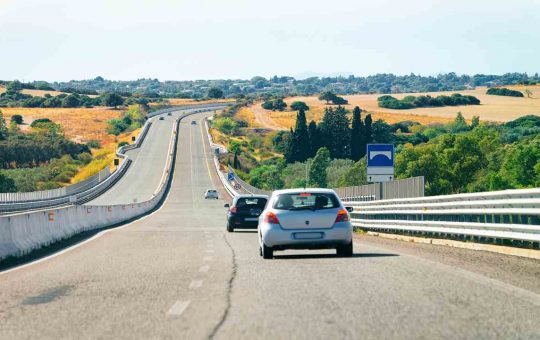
column 271, row 218
column 342, row 216
column 234, row 210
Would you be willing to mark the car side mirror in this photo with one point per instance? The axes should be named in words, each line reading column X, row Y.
column 226, row 205
column 349, row 209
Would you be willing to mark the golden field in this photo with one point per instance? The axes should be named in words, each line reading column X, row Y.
column 79, row 124
column 492, row 108
column 36, row 93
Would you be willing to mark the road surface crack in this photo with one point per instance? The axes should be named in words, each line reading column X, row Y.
column 229, row 291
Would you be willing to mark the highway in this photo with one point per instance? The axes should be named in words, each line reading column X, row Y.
column 178, row 274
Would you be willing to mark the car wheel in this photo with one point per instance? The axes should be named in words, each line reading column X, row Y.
column 267, row 252
column 230, row 228
column 345, row 250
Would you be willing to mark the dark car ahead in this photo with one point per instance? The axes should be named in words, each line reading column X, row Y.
column 244, row 211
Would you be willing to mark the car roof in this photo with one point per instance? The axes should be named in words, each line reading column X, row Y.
column 251, row 196
column 299, row 190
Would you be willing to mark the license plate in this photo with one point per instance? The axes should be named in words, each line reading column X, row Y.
column 308, row 236
column 251, row 219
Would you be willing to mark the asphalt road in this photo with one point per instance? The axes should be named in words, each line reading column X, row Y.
column 178, row 274
column 143, row 177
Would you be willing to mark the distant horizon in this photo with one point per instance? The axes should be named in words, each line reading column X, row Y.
column 318, row 75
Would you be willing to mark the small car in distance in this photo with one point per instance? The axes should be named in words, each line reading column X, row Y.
column 169, row 114
column 211, row 193
column 305, row 219
column 244, row 211
column 193, row 122
column 161, row 118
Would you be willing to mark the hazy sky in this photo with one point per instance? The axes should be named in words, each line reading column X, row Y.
column 208, row 39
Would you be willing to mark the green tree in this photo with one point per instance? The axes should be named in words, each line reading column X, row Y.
column 18, row 119
column 459, row 124
column 266, row 177
column 298, row 105
column 315, row 141
column 335, row 131
column 292, row 148
column 327, row 96
column 301, row 137
column 475, row 122
column 112, row 99
column 215, row 93
column 357, row 135
column 317, row 172
column 3, row 127
column 7, row 184
column 368, row 130
column 72, row 100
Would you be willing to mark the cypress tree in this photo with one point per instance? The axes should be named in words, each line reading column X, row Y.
column 357, row 134
column 292, row 148
column 302, row 136
column 315, row 141
column 336, row 132
column 368, row 135
column 317, row 172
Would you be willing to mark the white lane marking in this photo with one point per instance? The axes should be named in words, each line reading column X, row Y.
column 209, row 250
column 178, row 308
column 207, row 232
column 208, row 258
column 204, row 269
column 195, row 284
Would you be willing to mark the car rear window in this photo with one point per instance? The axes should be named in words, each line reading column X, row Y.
column 306, row 200
column 251, row 202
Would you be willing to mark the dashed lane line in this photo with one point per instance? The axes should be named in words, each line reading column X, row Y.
column 178, row 308
column 195, row 284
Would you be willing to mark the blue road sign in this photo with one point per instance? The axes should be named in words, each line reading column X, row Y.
column 230, row 176
column 380, row 155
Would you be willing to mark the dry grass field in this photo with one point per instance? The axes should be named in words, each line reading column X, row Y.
column 35, row 93
column 493, row 108
column 79, row 124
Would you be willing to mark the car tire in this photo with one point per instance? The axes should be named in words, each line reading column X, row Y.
column 345, row 250
column 267, row 252
column 230, row 228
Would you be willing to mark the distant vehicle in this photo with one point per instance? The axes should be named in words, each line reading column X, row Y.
column 193, row 122
column 169, row 114
column 244, row 211
column 211, row 193
column 305, row 219
column 161, row 118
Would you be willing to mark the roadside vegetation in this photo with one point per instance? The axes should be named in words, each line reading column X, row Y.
column 40, row 159
column 331, row 152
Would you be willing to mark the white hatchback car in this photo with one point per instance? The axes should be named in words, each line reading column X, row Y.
column 211, row 193
column 305, row 219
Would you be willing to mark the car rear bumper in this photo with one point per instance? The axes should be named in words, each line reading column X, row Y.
column 276, row 237
column 240, row 222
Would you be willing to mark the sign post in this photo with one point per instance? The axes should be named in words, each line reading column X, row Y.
column 380, row 163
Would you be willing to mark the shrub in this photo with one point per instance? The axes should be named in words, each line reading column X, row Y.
column 17, row 119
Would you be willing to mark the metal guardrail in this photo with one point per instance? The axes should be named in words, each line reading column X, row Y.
column 93, row 189
column 508, row 214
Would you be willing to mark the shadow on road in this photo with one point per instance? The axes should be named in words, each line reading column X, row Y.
column 322, row 256
column 245, row 231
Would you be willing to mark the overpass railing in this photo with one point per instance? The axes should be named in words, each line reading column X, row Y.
column 21, row 233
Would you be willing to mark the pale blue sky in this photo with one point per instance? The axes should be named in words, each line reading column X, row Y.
column 209, row 39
